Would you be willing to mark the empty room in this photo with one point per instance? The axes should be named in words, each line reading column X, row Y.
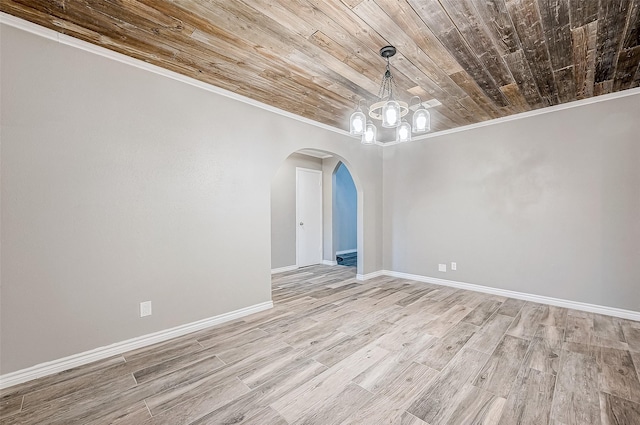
column 320, row 212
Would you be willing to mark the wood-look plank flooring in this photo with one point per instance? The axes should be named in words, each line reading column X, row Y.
column 337, row 351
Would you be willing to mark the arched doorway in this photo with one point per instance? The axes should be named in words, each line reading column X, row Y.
column 345, row 217
column 283, row 209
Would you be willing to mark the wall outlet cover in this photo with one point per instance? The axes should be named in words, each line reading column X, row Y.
column 442, row 267
column 145, row 308
column 454, row 266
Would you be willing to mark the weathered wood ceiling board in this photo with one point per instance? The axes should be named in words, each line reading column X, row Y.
column 482, row 59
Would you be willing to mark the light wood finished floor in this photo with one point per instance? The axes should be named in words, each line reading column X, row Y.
column 338, row 351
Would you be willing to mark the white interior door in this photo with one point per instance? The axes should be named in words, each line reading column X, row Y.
column 308, row 217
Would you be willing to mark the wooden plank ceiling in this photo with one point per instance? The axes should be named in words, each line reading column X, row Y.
column 481, row 59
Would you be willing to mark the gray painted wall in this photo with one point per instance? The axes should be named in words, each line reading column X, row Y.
column 283, row 209
column 547, row 205
column 121, row 186
column 344, row 210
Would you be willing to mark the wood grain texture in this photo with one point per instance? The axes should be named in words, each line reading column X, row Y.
column 433, row 405
column 545, row 349
column 617, row 411
column 612, row 20
column 583, row 12
column 530, row 401
column 525, row 363
column 482, row 59
column 476, row 406
column 497, row 21
column 576, row 398
column 608, row 327
column 584, row 58
column 511, row 307
column 10, row 405
column 464, row 16
column 632, row 335
column 555, row 21
column 632, row 35
column 487, row 338
column 526, row 18
column 617, row 374
column 499, row 373
column 482, row 312
column 626, row 68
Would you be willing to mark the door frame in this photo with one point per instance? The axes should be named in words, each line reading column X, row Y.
column 298, row 169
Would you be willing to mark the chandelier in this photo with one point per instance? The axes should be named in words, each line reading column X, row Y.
column 389, row 110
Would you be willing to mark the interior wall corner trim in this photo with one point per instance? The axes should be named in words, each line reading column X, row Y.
column 559, row 302
column 75, row 360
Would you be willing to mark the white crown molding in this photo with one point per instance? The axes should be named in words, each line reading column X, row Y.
column 528, row 114
column 522, row 115
column 75, row 360
column 284, row 269
column 347, row 251
column 575, row 305
column 36, row 29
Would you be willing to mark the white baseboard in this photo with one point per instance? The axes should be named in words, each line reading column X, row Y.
column 329, row 263
column 348, row 251
column 575, row 305
column 75, row 360
column 284, row 269
column 370, row 275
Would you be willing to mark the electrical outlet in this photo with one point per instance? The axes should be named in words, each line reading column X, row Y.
column 442, row 268
column 454, row 266
column 145, row 308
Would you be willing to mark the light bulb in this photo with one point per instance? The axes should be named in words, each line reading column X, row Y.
column 368, row 135
column 403, row 133
column 392, row 116
column 421, row 121
column 357, row 124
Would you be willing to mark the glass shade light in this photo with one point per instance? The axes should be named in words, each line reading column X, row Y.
column 357, row 123
column 391, row 114
column 403, row 132
column 390, row 111
column 369, row 135
column 421, row 120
